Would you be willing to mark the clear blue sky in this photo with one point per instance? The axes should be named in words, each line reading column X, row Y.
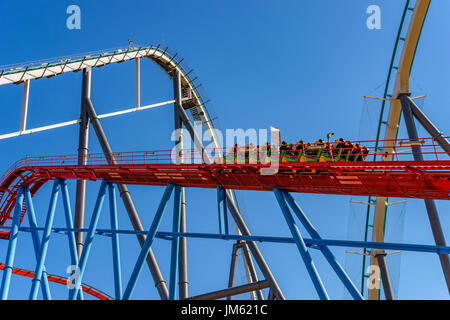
column 301, row 66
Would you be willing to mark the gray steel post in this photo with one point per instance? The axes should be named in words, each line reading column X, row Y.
column 253, row 247
column 185, row 119
column 251, row 267
column 233, row 267
column 232, row 291
column 429, row 126
column 160, row 283
column 430, row 205
column 270, row 296
column 182, row 259
column 381, row 258
column 83, row 140
column 233, row 209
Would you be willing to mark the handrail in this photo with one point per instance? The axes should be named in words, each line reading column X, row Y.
column 354, row 151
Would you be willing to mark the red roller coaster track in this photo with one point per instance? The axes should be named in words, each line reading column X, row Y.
column 428, row 179
column 61, row 280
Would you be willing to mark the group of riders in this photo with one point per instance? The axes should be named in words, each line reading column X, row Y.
column 319, row 151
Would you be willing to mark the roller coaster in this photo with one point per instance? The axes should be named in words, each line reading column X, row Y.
column 406, row 168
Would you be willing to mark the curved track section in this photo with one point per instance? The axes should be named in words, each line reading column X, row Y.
column 193, row 101
column 61, row 280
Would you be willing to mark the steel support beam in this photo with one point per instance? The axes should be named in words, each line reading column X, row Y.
column 253, row 247
column 428, row 125
column 386, row 281
column 251, row 268
column 230, row 199
column 115, row 242
column 175, row 243
column 270, row 296
column 301, row 246
column 430, row 205
column 185, row 119
column 148, row 242
column 11, row 251
column 348, row 283
column 83, row 141
column 179, row 146
column 89, row 239
column 222, row 210
column 182, row 259
column 36, row 241
column 401, row 85
column 260, row 285
column 36, row 282
column 24, row 113
column 138, row 82
column 234, row 255
column 69, row 223
column 160, row 284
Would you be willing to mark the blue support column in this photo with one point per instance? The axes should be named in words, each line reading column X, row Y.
column 222, row 209
column 353, row 290
column 36, row 282
column 11, row 252
column 69, row 224
column 115, row 242
column 148, row 242
column 301, row 246
column 89, row 239
column 36, row 241
column 175, row 243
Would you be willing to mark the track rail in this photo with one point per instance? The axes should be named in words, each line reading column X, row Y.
column 169, row 63
column 61, row 280
column 343, row 174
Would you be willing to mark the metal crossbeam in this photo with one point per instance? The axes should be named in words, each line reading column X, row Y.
column 259, row 285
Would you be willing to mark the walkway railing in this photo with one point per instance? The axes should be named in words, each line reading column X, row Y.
column 401, row 150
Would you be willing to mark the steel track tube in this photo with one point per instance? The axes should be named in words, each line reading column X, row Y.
column 11, row 251
column 115, row 242
column 253, row 247
column 83, row 141
column 348, row 283
column 89, row 238
column 301, row 246
column 45, row 241
column 175, row 243
column 36, row 241
column 430, row 205
column 160, row 284
column 148, row 242
column 69, row 224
